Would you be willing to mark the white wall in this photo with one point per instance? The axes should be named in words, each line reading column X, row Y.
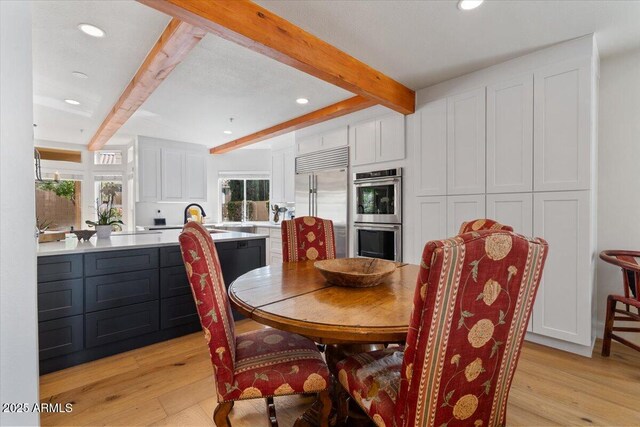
column 619, row 169
column 18, row 296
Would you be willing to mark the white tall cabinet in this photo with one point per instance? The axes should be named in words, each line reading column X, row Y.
column 516, row 142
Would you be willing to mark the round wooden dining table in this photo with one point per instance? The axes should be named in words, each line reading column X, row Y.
column 295, row 297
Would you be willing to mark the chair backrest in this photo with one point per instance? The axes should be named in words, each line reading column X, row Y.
column 307, row 238
column 209, row 292
column 471, row 309
column 482, row 224
column 629, row 262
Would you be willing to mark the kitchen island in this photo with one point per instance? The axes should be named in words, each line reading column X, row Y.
column 104, row 297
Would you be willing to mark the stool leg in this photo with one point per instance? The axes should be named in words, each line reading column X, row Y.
column 608, row 326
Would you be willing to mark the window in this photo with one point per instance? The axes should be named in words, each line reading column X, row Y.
column 58, row 204
column 107, row 187
column 244, row 199
column 107, row 157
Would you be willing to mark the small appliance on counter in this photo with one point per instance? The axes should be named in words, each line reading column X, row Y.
column 159, row 219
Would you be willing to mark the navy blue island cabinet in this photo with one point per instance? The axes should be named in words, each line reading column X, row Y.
column 96, row 304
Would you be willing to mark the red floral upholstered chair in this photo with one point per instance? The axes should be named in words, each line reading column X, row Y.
column 258, row 364
column 471, row 308
column 483, row 224
column 629, row 262
column 308, row 238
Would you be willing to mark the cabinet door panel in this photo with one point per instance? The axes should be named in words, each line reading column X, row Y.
column 174, row 282
column 196, row 173
column 514, row 209
column 149, row 174
column 463, row 208
column 391, row 132
column 173, row 183
column 309, row 144
column 431, row 222
column 176, row 311
column 562, row 130
column 60, row 336
column 466, row 143
column 563, row 305
column 59, row 267
column 98, row 263
column 363, row 143
column 431, row 159
column 116, row 290
column 510, row 136
column 60, row 299
column 116, row 324
column 336, row 138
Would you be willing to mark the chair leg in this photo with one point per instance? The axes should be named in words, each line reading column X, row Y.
column 221, row 414
column 271, row 412
column 343, row 405
column 319, row 412
column 608, row 327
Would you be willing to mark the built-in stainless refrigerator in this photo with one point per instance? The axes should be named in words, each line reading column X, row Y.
column 322, row 191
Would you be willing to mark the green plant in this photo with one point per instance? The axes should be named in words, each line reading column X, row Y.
column 107, row 214
column 66, row 189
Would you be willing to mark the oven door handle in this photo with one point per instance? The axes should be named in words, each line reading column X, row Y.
column 376, row 182
column 376, row 226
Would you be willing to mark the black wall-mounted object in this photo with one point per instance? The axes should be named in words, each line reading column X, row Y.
column 102, row 303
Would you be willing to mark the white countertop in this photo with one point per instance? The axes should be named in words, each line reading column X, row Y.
column 117, row 241
column 265, row 224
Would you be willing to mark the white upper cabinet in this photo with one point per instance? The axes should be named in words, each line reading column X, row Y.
column 462, row 209
column 514, row 209
column 196, row 173
column 391, row 136
column 173, row 175
column 431, row 221
column 430, row 162
column 466, row 142
column 378, row 141
column 335, row 138
column 168, row 174
column 149, row 174
column 283, row 170
column 562, row 126
column 510, row 136
column 563, row 305
column 363, row 143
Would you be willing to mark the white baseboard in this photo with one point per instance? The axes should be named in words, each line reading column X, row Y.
column 582, row 350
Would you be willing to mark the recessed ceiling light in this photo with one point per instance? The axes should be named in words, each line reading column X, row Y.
column 91, row 30
column 79, row 75
column 469, row 4
column 302, row 101
column 72, row 101
column 227, row 132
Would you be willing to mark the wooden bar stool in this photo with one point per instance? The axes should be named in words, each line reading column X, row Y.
column 629, row 262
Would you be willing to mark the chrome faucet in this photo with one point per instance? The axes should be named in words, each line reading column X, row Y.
column 186, row 211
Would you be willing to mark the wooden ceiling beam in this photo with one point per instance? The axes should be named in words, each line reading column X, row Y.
column 341, row 108
column 254, row 27
column 175, row 42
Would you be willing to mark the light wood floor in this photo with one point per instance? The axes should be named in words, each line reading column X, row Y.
column 170, row 383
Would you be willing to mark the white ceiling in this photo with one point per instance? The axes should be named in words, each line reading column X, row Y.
column 416, row 42
column 420, row 43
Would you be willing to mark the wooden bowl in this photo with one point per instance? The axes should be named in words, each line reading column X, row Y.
column 355, row 272
column 84, row 234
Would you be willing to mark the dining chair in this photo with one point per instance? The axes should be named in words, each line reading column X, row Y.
column 629, row 262
column 257, row 364
column 307, row 238
column 470, row 312
column 482, row 224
